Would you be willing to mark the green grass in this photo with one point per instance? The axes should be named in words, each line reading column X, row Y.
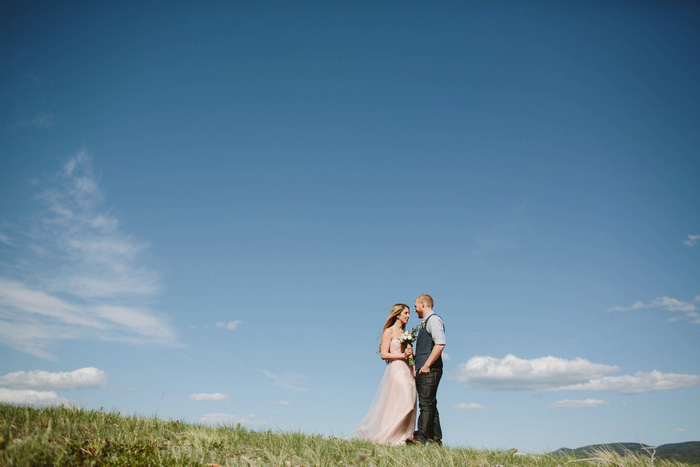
column 61, row 436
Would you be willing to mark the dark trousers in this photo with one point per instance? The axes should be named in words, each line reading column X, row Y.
column 429, row 419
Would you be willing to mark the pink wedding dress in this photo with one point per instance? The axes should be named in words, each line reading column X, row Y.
column 392, row 415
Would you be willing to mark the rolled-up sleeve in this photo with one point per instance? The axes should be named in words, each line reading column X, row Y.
column 436, row 329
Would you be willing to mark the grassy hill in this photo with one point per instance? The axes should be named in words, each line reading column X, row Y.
column 63, row 436
column 682, row 452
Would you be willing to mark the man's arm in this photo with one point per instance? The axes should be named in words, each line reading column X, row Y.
column 434, row 354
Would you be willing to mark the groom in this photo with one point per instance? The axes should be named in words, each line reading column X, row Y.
column 428, row 360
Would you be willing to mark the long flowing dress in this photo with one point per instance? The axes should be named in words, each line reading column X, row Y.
column 392, row 415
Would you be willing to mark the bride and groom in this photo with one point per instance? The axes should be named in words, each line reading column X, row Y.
column 392, row 415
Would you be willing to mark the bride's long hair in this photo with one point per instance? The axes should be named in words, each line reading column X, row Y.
column 396, row 310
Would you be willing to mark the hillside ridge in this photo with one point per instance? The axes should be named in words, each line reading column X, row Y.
column 688, row 451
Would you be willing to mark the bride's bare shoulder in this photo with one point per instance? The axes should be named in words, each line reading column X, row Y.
column 389, row 334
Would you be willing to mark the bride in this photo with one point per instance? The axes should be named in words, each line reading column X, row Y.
column 392, row 415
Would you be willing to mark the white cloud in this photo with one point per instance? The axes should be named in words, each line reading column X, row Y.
column 287, row 381
column 512, row 373
column 669, row 303
column 689, row 309
column 30, row 397
column 84, row 378
column 226, row 419
column 692, row 240
column 282, row 403
column 217, row 396
column 231, row 325
column 76, row 273
column 471, row 406
column 579, row 404
column 555, row 374
column 637, row 384
column 680, row 430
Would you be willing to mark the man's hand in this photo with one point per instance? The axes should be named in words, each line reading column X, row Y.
column 425, row 369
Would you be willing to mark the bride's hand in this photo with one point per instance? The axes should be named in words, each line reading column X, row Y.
column 408, row 352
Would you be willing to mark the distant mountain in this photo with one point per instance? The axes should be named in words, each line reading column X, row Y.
column 619, row 448
column 683, row 452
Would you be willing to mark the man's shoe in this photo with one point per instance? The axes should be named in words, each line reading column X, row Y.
column 413, row 442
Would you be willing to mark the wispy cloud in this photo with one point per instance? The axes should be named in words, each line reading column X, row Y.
column 84, row 378
column 5, row 239
column 692, row 240
column 76, row 273
column 42, row 120
column 287, row 380
column 230, row 326
column 104, row 262
column 689, row 309
column 471, row 406
column 555, row 374
column 217, row 396
column 579, row 404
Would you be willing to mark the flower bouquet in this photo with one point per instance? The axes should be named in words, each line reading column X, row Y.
column 408, row 338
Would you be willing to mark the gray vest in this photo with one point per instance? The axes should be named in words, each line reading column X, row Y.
column 424, row 345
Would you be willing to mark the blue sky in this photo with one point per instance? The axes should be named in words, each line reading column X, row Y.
column 206, row 212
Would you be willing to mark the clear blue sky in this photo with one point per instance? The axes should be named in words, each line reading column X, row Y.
column 207, row 210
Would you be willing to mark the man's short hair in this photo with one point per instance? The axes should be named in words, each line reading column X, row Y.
column 427, row 299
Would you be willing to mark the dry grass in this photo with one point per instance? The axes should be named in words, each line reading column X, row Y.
column 67, row 437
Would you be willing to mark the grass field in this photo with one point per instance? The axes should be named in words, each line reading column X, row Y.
column 63, row 436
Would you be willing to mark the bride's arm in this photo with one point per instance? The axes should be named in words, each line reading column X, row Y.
column 386, row 344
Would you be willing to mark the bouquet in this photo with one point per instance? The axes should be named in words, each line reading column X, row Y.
column 408, row 338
